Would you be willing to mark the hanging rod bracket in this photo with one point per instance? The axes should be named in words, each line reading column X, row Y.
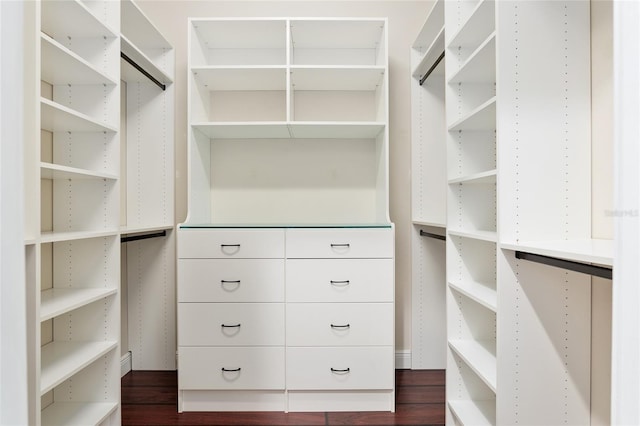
column 584, row 268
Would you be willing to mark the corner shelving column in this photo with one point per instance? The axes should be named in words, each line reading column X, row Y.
column 472, row 308
column 429, row 194
column 76, row 254
column 147, row 68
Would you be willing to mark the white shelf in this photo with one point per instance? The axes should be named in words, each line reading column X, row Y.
column 479, row 25
column 130, row 74
column 62, row 66
column 587, row 250
column 477, row 413
column 242, row 78
column 480, row 67
column 61, row 19
column 135, row 26
column 431, row 27
column 490, row 236
column 61, row 360
column 56, row 171
column 241, row 33
column 244, row 130
column 487, row 177
column 480, row 293
column 336, row 78
column 77, row 413
column 59, row 118
column 480, row 356
column 430, row 56
column 335, row 129
column 56, row 237
column 57, row 301
column 481, row 118
column 427, row 223
column 124, row 230
column 284, row 130
column 347, row 33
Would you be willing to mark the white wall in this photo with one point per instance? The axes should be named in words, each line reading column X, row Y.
column 405, row 19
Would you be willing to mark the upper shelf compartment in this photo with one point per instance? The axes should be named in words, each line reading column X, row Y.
column 234, row 42
column 477, row 23
column 143, row 45
column 429, row 44
column 338, row 42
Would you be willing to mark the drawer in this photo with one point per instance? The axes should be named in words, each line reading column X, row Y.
column 340, row 368
column 231, row 280
column 231, row 368
column 231, row 243
column 340, row 280
column 343, row 324
column 230, row 324
column 340, row 243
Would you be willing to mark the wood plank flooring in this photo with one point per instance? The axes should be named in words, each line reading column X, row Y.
column 150, row 398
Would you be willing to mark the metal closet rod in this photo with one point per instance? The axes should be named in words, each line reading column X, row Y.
column 585, row 268
column 433, row 67
column 430, row 235
column 128, row 239
column 143, row 71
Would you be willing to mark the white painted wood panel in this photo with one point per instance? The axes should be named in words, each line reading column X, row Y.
column 236, row 243
column 340, row 243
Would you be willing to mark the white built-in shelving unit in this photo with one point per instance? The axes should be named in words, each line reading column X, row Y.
column 518, row 175
column 428, row 193
column 288, row 190
column 147, row 217
column 72, row 197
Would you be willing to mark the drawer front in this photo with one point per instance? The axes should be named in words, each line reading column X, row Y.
column 340, row 280
column 231, row 243
column 231, row 368
column 343, row 324
column 231, row 280
column 230, row 324
column 340, row 243
column 340, row 368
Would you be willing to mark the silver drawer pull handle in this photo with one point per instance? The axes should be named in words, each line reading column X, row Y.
column 340, row 326
column 340, row 245
column 230, row 326
column 231, row 370
column 340, row 370
column 339, row 282
column 229, row 245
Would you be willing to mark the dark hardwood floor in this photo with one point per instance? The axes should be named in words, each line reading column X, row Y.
column 150, row 398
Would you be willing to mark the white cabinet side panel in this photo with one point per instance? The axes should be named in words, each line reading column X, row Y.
column 150, row 154
column 543, row 120
column 152, row 303
column 428, row 339
column 544, row 345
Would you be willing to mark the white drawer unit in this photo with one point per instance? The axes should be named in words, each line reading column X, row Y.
column 339, row 280
column 339, row 324
column 360, row 368
column 231, row 324
column 231, row 280
column 287, row 247
column 234, row 368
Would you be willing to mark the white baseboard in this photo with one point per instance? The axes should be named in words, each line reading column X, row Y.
column 125, row 364
column 403, row 359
